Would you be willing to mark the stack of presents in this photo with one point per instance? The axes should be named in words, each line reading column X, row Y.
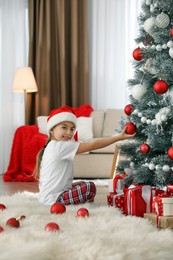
column 142, row 201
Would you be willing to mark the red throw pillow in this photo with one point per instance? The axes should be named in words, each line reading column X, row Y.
column 83, row 110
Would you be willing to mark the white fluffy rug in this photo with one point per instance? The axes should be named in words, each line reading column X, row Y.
column 105, row 235
column 98, row 182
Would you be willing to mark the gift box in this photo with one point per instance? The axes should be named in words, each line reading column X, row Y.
column 163, row 205
column 116, row 200
column 139, row 200
column 134, row 203
column 159, row 221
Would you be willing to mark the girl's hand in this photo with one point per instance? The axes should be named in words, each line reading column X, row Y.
column 124, row 136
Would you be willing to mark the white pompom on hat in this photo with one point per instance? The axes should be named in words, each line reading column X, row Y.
column 60, row 115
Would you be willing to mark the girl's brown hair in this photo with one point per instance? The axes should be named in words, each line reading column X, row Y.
column 36, row 172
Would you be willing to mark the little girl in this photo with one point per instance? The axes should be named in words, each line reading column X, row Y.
column 54, row 166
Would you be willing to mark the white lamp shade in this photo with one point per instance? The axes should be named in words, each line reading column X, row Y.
column 24, row 80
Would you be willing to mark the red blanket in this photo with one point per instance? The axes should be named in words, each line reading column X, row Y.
column 26, row 144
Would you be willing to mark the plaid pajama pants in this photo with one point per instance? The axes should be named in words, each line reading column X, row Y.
column 81, row 193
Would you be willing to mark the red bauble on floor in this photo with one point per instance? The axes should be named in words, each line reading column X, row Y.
column 2, row 207
column 83, row 212
column 13, row 222
column 57, row 208
column 52, row 226
column 1, row 229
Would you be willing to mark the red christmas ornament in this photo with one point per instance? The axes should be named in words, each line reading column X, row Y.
column 52, row 226
column 144, row 148
column 130, row 128
column 57, row 208
column 13, row 222
column 83, row 212
column 1, row 229
column 128, row 109
column 171, row 32
column 137, row 54
column 2, row 207
column 170, row 152
column 160, row 87
column 21, row 217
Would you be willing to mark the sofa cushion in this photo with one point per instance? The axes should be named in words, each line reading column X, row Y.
column 98, row 119
column 111, row 122
column 42, row 124
column 85, row 128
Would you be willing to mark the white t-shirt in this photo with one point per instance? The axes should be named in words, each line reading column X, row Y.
column 56, row 171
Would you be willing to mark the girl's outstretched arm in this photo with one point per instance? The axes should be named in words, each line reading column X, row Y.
column 103, row 142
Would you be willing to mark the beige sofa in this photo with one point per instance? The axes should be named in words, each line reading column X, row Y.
column 99, row 163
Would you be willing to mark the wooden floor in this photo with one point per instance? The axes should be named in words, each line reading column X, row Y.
column 9, row 188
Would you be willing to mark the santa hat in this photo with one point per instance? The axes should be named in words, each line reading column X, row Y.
column 60, row 115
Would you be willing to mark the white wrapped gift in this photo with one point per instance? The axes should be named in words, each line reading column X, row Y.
column 167, row 206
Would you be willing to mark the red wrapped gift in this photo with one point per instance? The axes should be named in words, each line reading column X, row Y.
column 169, row 189
column 138, row 200
column 118, row 184
column 116, row 200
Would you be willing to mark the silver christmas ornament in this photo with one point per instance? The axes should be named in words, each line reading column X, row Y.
column 166, row 168
column 164, row 46
column 170, row 44
column 159, row 47
column 135, row 112
column 149, row 25
column 162, row 20
column 154, row 122
column 143, row 119
column 138, row 91
column 151, row 166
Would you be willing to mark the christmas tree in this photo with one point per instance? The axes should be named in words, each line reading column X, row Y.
column 148, row 158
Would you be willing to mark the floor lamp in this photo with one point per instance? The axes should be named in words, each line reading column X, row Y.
column 24, row 81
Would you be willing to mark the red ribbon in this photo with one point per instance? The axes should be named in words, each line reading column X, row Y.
column 117, row 182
